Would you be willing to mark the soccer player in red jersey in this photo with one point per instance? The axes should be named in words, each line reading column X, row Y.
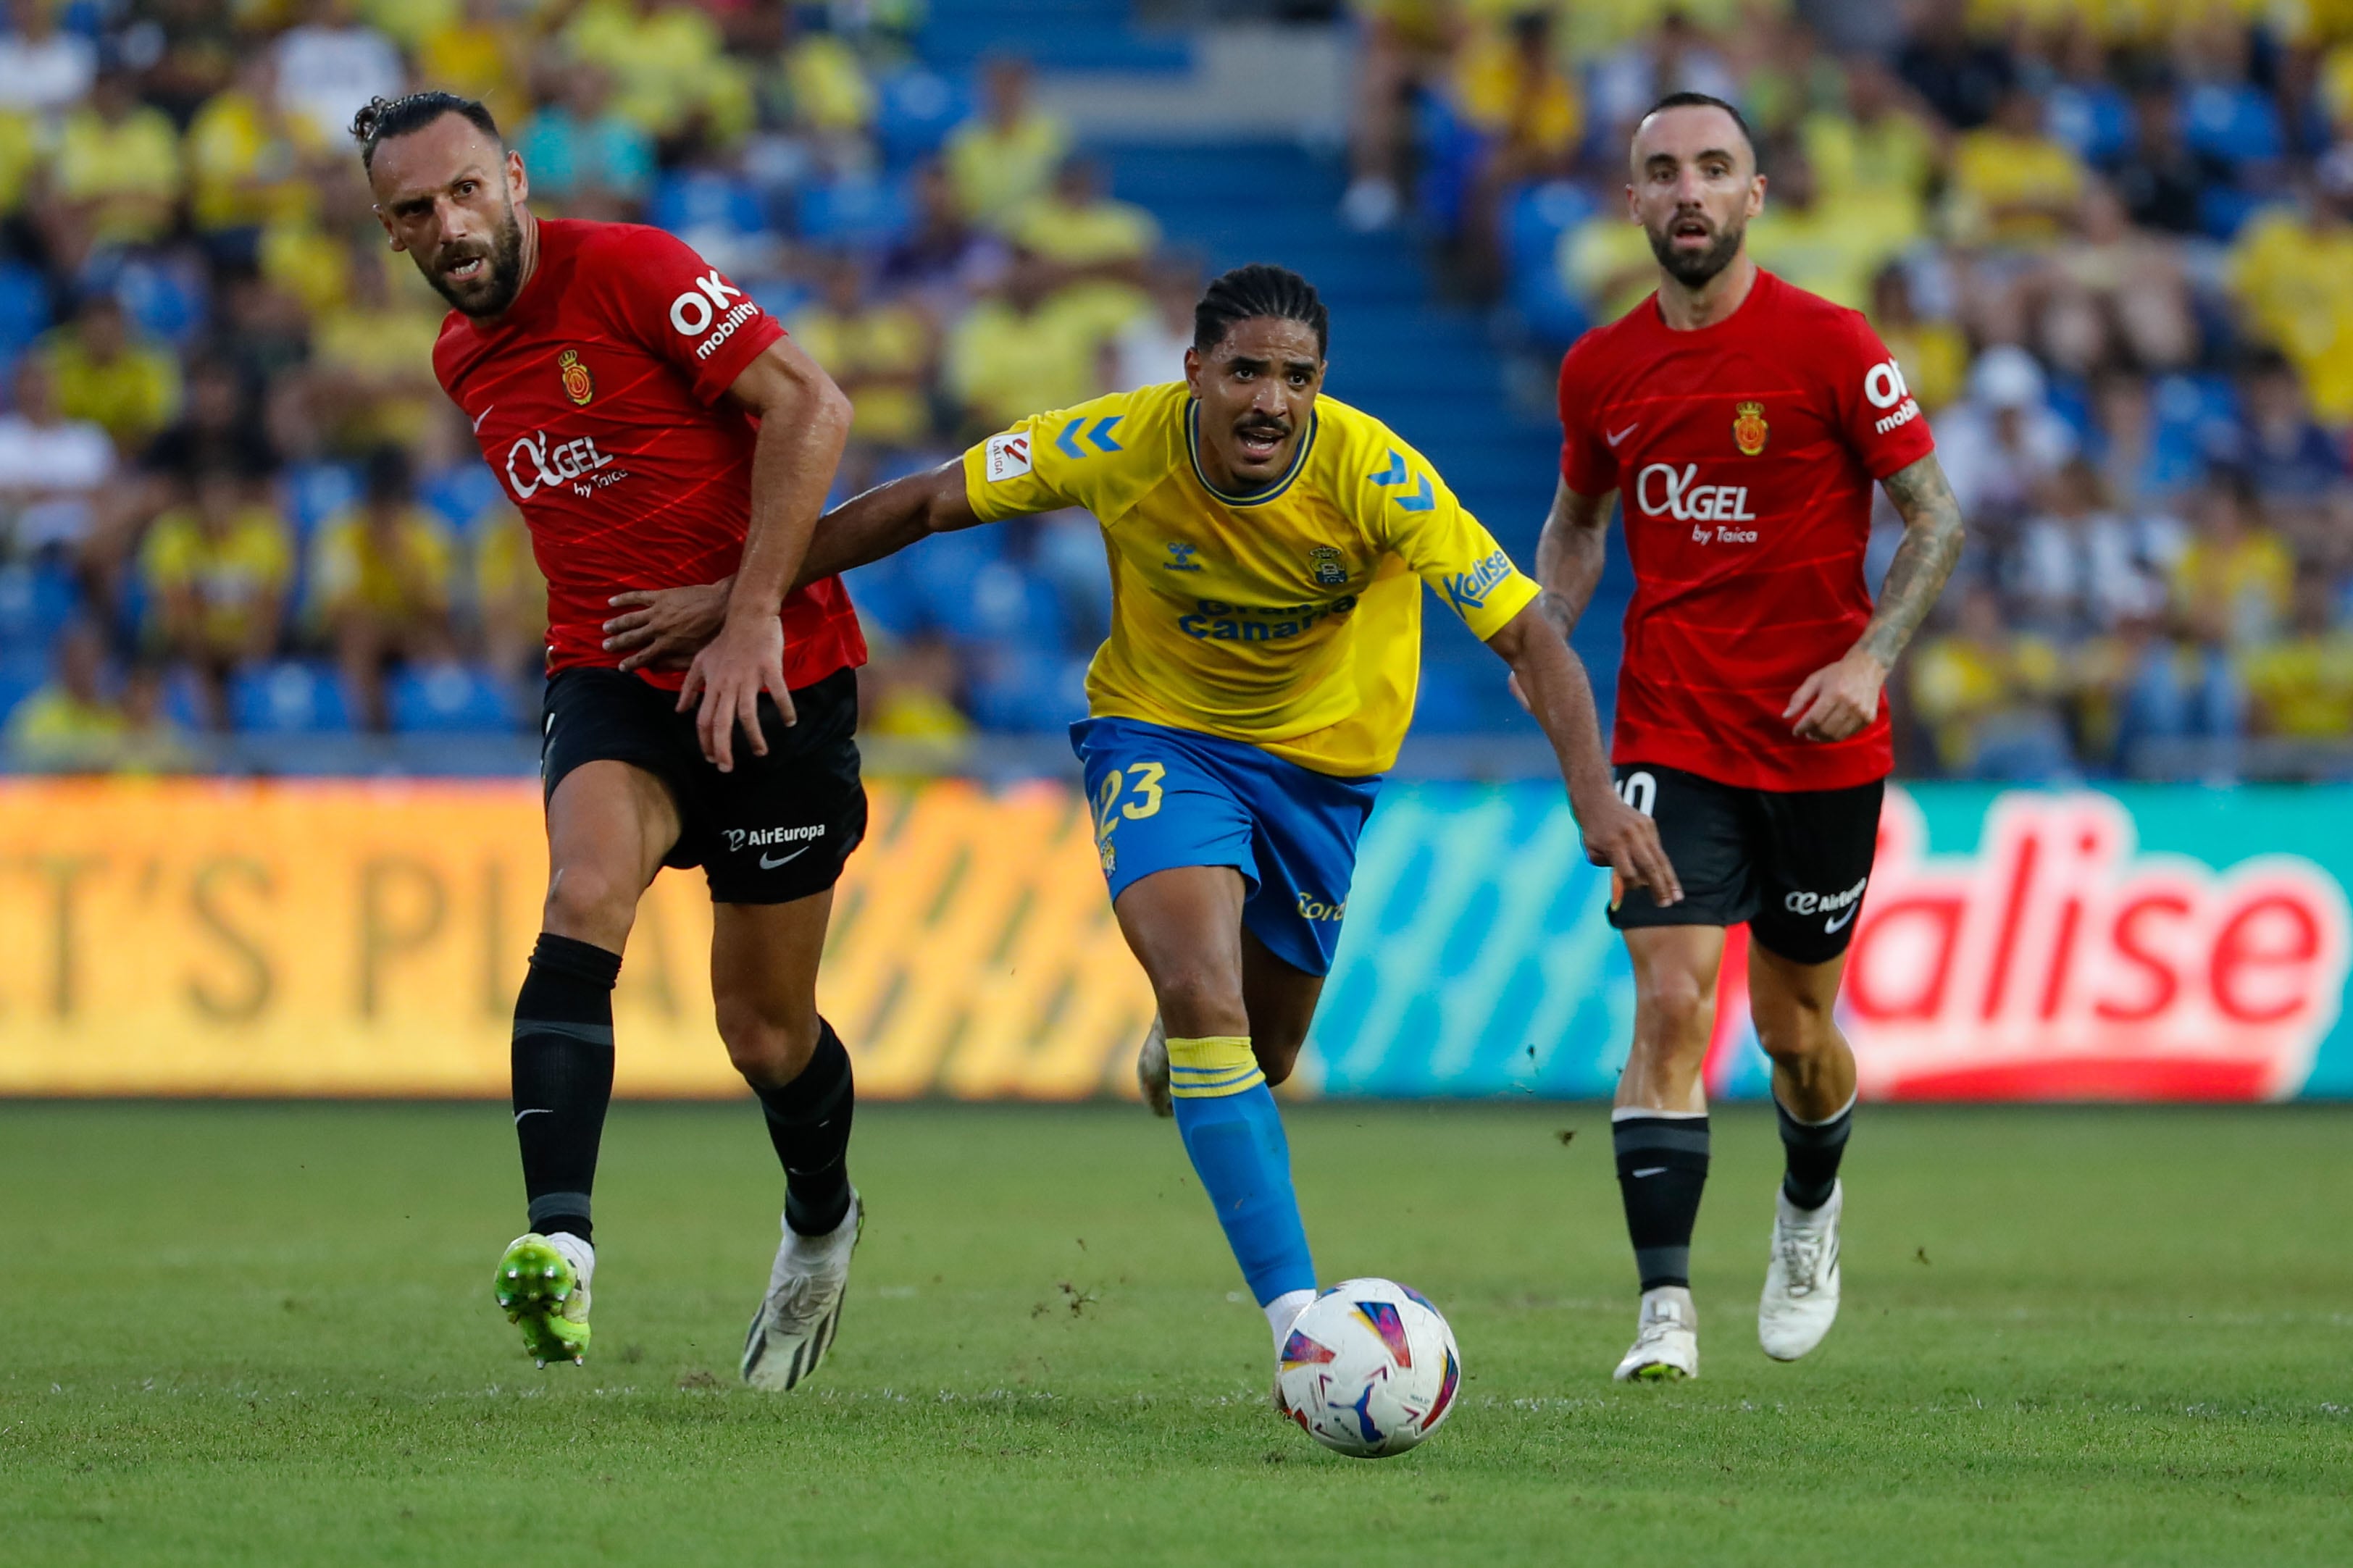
column 656, row 428
column 1741, row 424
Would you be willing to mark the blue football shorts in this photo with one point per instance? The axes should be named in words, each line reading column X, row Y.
column 1163, row 798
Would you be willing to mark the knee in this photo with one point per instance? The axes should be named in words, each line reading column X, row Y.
column 1198, row 1002
column 1277, row 1049
column 588, row 901
column 1796, row 1030
column 1675, row 1013
column 768, row 1046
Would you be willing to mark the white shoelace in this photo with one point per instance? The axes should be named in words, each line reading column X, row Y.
column 1803, row 1248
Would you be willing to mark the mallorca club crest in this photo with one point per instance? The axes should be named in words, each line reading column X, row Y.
column 1749, row 431
column 1328, row 569
column 578, row 384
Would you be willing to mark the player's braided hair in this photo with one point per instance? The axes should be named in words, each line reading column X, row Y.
column 381, row 118
column 1259, row 289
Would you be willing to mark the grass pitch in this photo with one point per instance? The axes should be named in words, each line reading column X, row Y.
column 254, row 1334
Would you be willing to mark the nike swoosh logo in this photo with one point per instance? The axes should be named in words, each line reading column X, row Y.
column 1621, row 435
column 485, row 414
column 535, row 1111
column 1653, row 1171
column 1834, row 925
column 768, row 865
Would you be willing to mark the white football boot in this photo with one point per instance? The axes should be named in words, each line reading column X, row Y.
column 1151, row 1069
column 802, row 1311
column 1801, row 1281
column 1666, row 1341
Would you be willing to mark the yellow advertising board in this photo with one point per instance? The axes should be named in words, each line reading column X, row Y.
column 211, row 937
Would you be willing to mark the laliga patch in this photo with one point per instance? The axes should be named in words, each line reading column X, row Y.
column 1009, row 457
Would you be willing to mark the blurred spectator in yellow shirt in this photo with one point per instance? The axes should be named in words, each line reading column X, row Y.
column 251, row 163
column 218, row 567
column 1875, row 160
column 71, row 725
column 104, row 374
column 1098, row 251
column 2302, row 685
column 116, row 178
column 879, row 352
column 2291, row 272
column 2231, row 585
column 1007, row 154
column 20, row 157
column 1508, row 86
column 1935, row 354
column 2014, row 187
column 907, row 698
column 1017, row 352
column 1809, row 242
column 510, row 595
column 381, row 584
column 1990, row 698
column 670, row 69
column 475, row 51
column 372, row 360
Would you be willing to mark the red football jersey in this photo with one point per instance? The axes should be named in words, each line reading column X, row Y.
column 595, row 400
column 1743, row 456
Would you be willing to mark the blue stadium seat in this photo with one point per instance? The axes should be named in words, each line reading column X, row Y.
column 290, row 697
column 2234, row 121
column 855, row 211
column 449, row 699
column 310, row 493
column 689, row 200
column 2093, row 118
column 1029, row 690
column 780, row 297
column 2223, row 210
column 915, row 107
column 460, row 492
column 35, row 602
column 24, row 306
column 885, row 598
column 22, row 673
column 163, row 299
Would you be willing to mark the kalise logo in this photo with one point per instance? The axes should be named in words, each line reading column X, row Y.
column 2059, row 962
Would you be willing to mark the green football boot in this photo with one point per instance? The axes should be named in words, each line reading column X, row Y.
column 542, row 1288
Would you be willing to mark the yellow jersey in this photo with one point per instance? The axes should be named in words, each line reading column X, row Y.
column 1289, row 619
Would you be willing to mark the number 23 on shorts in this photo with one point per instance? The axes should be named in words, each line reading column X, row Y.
column 1141, row 780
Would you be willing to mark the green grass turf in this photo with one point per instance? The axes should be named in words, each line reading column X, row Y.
column 253, row 1334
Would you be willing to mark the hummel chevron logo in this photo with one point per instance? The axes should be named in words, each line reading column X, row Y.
column 1067, row 443
column 1396, row 473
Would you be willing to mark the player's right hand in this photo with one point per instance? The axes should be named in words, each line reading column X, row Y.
column 664, row 628
column 1619, row 836
column 723, row 686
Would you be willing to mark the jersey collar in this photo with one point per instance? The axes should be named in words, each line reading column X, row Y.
column 1256, row 497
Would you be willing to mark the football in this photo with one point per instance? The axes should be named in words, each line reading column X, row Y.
column 1370, row 1368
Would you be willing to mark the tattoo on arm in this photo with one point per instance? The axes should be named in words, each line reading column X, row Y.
column 1932, row 546
column 1570, row 553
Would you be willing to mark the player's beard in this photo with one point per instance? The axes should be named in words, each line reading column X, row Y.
column 1692, row 269
column 490, row 292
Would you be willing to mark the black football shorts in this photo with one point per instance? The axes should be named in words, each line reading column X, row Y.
column 1792, row 863
column 777, row 828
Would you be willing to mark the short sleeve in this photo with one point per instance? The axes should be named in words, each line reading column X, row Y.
column 1044, row 462
column 1880, row 418
column 667, row 298
column 1587, row 465
column 1414, row 512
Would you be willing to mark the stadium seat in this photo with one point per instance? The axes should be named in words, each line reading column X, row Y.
column 24, row 306
column 1028, row 691
column 2094, row 119
column 2234, row 121
column 858, row 210
column 290, row 697
column 915, row 107
column 163, row 298
column 23, row 671
column 686, row 201
column 449, row 699
column 460, row 492
column 35, row 602
column 310, row 493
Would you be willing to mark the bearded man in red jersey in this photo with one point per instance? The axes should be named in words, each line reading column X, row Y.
column 656, row 428
column 1741, row 424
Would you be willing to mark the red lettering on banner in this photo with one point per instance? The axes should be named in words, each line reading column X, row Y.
column 2059, row 960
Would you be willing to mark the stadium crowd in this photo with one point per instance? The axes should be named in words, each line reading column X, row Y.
column 233, row 500
column 2109, row 241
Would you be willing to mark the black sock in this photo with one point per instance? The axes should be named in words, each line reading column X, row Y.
column 1813, row 1149
column 808, row 1121
column 562, row 1077
column 1662, row 1170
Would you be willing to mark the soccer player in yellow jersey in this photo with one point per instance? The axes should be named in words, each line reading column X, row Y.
column 1267, row 550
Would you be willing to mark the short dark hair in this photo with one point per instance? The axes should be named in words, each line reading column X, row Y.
column 381, row 118
column 1259, row 289
column 1707, row 101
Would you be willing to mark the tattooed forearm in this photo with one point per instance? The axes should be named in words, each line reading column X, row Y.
column 1570, row 553
column 1931, row 547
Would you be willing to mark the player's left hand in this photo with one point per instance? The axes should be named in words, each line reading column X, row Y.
column 1838, row 699
column 664, row 628
column 726, row 677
